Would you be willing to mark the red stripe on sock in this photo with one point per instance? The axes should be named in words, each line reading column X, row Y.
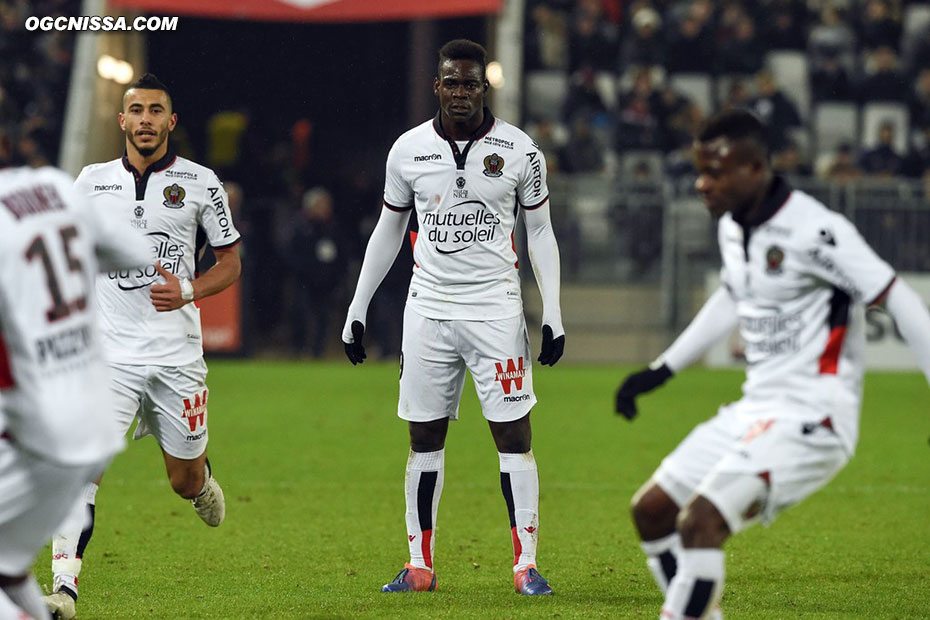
column 517, row 547
column 425, row 548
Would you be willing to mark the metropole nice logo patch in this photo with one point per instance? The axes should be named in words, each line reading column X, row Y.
column 195, row 412
column 512, row 375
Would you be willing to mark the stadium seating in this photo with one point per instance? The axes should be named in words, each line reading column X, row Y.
column 875, row 113
column 545, row 94
column 835, row 123
column 698, row 87
column 791, row 74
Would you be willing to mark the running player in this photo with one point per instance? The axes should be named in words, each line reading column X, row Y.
column 57, row 430
column 467, row 175
column 796, row 279
column 152, row 333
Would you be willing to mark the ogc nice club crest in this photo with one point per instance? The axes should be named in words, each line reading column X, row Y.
column 174, row 196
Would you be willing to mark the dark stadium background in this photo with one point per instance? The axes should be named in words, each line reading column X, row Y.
column 349, row 80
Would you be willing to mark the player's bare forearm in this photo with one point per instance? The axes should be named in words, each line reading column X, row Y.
column 221, row 275
column 171, row 295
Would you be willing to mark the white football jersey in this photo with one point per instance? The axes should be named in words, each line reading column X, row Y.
column 466, row 198
column 801, row 276
column 178, row 206
column 54, row 384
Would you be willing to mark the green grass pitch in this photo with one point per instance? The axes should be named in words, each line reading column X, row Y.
column 311, row 458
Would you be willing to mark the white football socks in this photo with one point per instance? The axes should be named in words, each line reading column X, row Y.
column 520, row 486
column 422, row 488
column 662, row 558
column 66, row 557
column 697, row 586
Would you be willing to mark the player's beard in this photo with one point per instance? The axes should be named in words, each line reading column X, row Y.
column 147, row 150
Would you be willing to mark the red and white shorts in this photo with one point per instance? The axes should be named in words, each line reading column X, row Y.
column 752, row 461
column 435, row 354
column 171, row 404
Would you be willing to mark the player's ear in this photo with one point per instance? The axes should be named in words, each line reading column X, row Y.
column 172, row 121
column 487, row 85
column 436, row 86
column 122, row 121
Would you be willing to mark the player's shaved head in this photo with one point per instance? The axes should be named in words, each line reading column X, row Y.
column 148, row 81
column 463, row 49
column 739, row 130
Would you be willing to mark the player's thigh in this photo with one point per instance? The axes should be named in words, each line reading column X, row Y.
column 497, row 354
column 35, row 497
column 127, row 385
column 175, row 408
column 432, row 372
column 682, row 470
column 777, row 464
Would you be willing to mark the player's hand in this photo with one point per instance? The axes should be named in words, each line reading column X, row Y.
column 638, row 383
column 355, row 351
column 552, row 348
column 167, row 296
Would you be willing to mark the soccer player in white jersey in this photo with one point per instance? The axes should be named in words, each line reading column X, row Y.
column 151, row 327
column 467, row 175
column 796, row 279
column 57, row 430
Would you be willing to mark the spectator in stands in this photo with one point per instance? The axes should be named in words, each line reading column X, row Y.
column 786, row 26
column 744, row 52
column 842, row 166
column 882, row 160
column 689, row 46
column 880, row 26
column 918, row 101
column 547, row 37
column 884, row 82
column 582, row 154
column 318, row 258
column 829, row 80
column 583, row 98
column 639, row 115
column 680, row 119
column 737, row 95
column 645, row 45
column 777, row 112
column 918, row 160
column 638, row 218
column 831, row 36
column 919, row 54
column 790, row 161
column 593, row 41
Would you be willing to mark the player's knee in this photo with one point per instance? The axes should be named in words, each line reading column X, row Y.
column 653, row 514
column 187, row 482
column 701, row 525
column 428, row 436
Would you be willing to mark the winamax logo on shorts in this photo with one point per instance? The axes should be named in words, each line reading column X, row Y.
column 461, row 226
column 511, row 377
column 195, row 413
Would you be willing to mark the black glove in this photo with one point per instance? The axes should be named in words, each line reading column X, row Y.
column 638, row 383
column 552, row 348
column 356, row 351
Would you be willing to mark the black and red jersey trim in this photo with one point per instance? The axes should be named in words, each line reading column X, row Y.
column 395, row 208
column 837, row 322
column 537, row 205
column 142, row 179
column 6, row 372
column 881, row 296
column 228, row 245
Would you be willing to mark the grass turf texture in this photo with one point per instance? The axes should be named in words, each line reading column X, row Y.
column 311, row 458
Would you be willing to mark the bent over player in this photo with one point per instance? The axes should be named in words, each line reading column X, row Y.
column 57, row 430
column 468, row 175
column 796, row 279
column 151, row 328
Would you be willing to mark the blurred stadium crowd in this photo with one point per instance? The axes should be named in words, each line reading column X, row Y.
column 612, row 89
column 844, row 85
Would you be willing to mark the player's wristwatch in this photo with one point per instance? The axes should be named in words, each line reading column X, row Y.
column 187, row 289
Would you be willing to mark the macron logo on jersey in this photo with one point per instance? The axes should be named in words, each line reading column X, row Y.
column 113, row 187
column 430, row 157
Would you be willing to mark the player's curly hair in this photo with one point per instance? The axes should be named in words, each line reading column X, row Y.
column 463, row 49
